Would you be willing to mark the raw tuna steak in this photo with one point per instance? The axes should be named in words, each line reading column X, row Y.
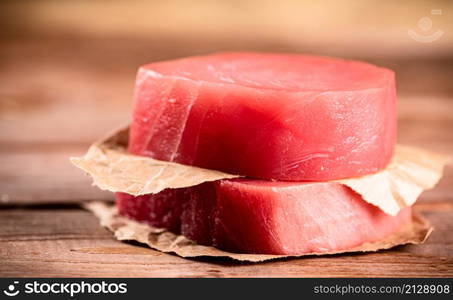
column 269, row 116
column 254, row 216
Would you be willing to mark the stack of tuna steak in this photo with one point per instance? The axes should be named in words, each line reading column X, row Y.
column 291, row 125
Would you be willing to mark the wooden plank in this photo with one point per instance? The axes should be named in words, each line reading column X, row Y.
column 425, row 107
column 87, row 103
column 69, row 242
column 90, row 93
column 349, row 28
column 53, row 104
column 45, row 176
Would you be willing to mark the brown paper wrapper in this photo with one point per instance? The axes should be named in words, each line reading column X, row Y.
column 415, row 232
column 411, row 171
column 115, row 170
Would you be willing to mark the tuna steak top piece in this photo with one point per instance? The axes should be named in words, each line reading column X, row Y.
column 266, row 217
column 269, row 116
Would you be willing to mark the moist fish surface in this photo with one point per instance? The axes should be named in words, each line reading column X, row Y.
column 270, row 116
column 256, row 216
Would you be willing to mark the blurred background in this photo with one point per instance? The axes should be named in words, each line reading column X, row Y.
column 67, row 69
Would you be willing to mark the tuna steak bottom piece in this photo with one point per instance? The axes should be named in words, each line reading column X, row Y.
column 254, row 216
column 268, row 116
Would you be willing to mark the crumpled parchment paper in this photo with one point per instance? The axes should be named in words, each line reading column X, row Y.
column 411, row 171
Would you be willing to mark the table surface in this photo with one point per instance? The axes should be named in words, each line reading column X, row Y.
column 53, row 104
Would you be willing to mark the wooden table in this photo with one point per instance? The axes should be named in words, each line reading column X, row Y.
column 54, row 103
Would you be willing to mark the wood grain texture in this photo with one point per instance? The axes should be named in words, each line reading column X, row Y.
column 67, row 81
column 69, row 242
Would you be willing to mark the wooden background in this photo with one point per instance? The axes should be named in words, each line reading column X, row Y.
column 66, row 77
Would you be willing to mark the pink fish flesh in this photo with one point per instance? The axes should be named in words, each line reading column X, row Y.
column 271, row 116
column 255, row 216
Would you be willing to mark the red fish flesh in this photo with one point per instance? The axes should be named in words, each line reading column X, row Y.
column 255, row 216
column 271, row 116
